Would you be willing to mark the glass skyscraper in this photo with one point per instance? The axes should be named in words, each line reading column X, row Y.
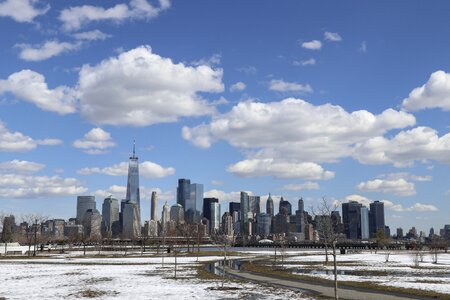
column 133, row 194
column 131, row 212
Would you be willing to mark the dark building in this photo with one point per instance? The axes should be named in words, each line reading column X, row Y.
column 351, row 217
column 399, row 233
column 183, row 191
column 207, row 207
column 376, row 218
column 269, row 206
column 300, row 217
column 285, row 207
column 235, row 206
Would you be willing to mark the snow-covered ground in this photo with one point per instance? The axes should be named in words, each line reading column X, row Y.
column 400, row 270
column 120, row 278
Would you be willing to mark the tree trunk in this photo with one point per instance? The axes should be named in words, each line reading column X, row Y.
column 335, row 273
column 326, row 254
column 6, row 248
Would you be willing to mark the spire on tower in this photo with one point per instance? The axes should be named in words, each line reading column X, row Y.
column 134, row 150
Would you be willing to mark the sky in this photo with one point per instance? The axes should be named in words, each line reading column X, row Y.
column 343, row 100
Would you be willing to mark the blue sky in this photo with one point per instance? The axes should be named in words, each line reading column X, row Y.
column 345, row 100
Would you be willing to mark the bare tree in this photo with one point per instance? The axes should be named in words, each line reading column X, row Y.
column 33, row 233
column 328, row 235
column 436, row 244
column 224, row 242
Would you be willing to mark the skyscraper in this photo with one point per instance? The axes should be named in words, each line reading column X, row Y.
column 165, row 216
column 207, row 207
column 269, row 206
column 376, row 218
column 177, row 213
column 285, row 207
column 84, row 203
column 215, row 217
column 110, row 217
column 364, row 223
column 154, row 207
column 254, row 206
column 351, row 217
column 194, row 205
column 300, row 216
column 131, row 213
column 244, row 211
column 235, row 206
column 183, row 191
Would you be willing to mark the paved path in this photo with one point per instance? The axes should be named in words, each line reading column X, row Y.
column 319, row 289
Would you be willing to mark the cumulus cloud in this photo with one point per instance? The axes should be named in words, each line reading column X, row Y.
column 20, row 167
column 294, row 129
column 18, row 142
column 23, row 11
column 363, row 47
column 96, row 141
column 279, row 169
column 140, row 88
column 417, row 207
column 302, row 186
column 332, row 36
column 307, row 62
column 435, row 93
column 31, row 87
column 119, row 192
column 280, row 85
column 417, row 144
column 312, row 45
column 406, row 176
column 74, row 18
column 25, row 186
column 47, row 50
column 238, row 87
column 147, row 169
column 224, row 196
column 92, row 35
column 399, row 187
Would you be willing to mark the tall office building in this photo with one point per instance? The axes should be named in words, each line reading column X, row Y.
column 376, row 218
column 235, row 206
column 110, row 217
column 300, row 216
column 194, row 205
column 165, row 216
column 177, row 213
column 254, row 206
column 154, row 207
column 92, row 221
column 227, row 224
column 84, row 203
column 207, row 207
column 269, row 206
column 285, row 207
column 351, row 217
column 263, row 224
column 131, row 215
column 183, row 191
column 215, row 217
column 244, row 212
column 364, row 223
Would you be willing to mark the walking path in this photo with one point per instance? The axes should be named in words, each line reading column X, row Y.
column 318, row 288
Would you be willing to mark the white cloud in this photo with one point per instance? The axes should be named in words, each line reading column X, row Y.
column 93, row 35
column 302, row 186
column 210, row 61
column 224, row 196
column 279, row 169
column 18, row 142
column 96, row 141
column 417, row 144
column 399, row 187
column 140, row 88
column 332, row 36
column 216, row 182
column 418, row 207
column 31, row 87
column 147, row 169
column 435, row 93
column 406, row 176
column 22, row 10
column 119, row 192
column 74, row 18
column 47, row 50
column 312, row 45
column 295, row 130
column 363, row 47
column 22, row 186
column 279, row 85
column 20, row 167
column 307, row 62
column 237, row 87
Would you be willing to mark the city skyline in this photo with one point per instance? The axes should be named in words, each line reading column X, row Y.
column 306, row 100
